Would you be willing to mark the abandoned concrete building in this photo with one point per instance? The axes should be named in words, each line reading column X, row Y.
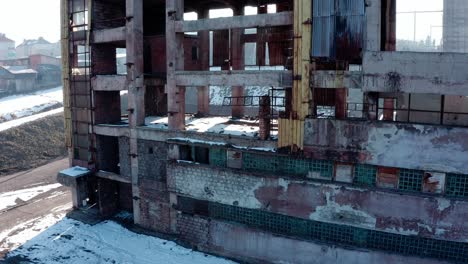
column 347, row 151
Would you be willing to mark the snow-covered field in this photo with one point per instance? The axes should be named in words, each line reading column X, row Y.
column 63, row 240
column 19, row 106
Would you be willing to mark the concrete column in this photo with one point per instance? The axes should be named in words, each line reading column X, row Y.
column 136, row 91
column 175, row 62
column 261, row 42
column 204, row 91
column 237, row 58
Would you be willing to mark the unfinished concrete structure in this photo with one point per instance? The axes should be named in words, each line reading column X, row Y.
column 358, row 153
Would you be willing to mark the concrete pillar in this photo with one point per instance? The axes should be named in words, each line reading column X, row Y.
column 175, row 62
column 203, row 92
column 261, row 43
column 341, row 96
column 136, row 91
column 264, row 115
column 237, row 58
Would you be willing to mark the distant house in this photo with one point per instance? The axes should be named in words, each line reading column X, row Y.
column 48, row 69
column 7, row 48
column 15, row 79
column 38, row 46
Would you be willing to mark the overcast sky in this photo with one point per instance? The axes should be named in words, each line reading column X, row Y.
column 30, row 19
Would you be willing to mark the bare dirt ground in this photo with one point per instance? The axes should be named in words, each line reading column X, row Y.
column 35, row 208
column 31, row 145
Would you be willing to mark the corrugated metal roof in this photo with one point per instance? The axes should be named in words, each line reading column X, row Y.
column 19, row 70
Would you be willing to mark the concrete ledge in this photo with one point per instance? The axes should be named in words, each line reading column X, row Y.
column 337, row 79
column 112, row 130
column 253, row 21
column 234, row 78
column 163, row 135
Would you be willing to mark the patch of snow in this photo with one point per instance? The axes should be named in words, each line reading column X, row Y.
column 195, row 141
column 218, row 125
column 332, row 211
column 9, row 199
column 13, row 238
column 15, row 103
column 443, row 204
column 75, row 171
column 70, row 241
column 18, row 122
column 401, row 231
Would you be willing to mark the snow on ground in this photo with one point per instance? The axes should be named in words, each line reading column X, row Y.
column 18, row 106
column 10, row 199
column 218, row 125
column 70, row 241
column 17, row 122
column 13, row 238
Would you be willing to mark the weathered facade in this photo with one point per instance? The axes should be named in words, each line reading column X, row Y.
column 356, row 153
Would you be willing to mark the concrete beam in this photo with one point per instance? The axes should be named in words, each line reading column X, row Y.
column 112, row 176
column 337, row 79
column 235, row 78
column 262, row 20
column 112, row 131
column 415, row 72
column 111, row 35
column 109, row 83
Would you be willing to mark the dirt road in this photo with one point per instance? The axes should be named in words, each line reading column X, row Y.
column 27, row 197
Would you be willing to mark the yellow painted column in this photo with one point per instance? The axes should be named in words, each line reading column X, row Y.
column 291, row 129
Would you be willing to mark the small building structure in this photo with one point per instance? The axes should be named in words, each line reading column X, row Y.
column 7, row 48
column 15, row 79
column 38, row 46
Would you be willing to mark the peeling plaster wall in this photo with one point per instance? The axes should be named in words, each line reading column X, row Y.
column 422, row 147
column 431, row 217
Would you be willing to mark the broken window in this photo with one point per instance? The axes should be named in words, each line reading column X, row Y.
column 344, row 173
column 387, row 178
column 234, row 159
column 194, row 154
column 420, row 25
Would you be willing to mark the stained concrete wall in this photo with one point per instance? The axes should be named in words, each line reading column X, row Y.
column 422, row 147
column 415, row 72
column 431, row 217
column 254, row 246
